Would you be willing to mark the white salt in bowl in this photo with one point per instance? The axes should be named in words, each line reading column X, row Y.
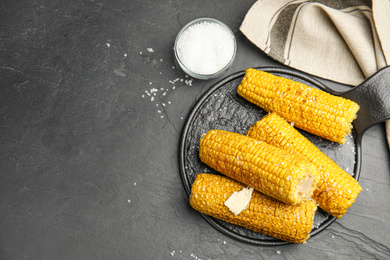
column 205, row 48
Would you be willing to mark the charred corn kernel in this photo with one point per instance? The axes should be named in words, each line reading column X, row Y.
column 268, row 169
column 310, row 109
column 337, row 190
column 263, row 214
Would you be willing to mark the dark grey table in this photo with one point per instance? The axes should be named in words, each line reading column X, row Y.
column 89, row 161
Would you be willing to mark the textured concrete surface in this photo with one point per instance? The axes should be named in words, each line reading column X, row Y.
column 91, row 114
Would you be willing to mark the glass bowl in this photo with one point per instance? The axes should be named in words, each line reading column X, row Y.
column 197, row 56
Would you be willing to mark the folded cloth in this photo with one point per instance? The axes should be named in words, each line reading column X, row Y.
column 343, row 41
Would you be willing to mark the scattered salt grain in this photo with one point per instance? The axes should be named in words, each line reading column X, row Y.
column 125, row 55
column 332, row 236
column 160, row 94
column 367, row 190
column 140, row 52
column 188, row 82
column 205, row 47
column 195, row 257
column 128, row 201
column 135, row 183
column 173, row 253
column 278, row 252
column 173, row 67
column 150, row 83
column 108, row 45
column 161, row 60
column 224, row 242
column 150, row 50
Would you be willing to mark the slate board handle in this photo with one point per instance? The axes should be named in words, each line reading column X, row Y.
column 373, row 97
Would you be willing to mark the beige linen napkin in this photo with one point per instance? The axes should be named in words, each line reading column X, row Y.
column 344, row 41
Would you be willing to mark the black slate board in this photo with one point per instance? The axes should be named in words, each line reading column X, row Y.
column 222, row 108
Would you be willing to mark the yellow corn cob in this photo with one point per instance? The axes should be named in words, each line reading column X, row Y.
column 337, row 190
column 263, row 214
column 310, row 109
column 268, row 169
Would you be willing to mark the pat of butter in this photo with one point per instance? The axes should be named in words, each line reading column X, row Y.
column 238, row 201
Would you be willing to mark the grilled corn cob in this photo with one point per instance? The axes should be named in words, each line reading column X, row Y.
column 263, row 214
column 337, row 190
column 268, row 169
column 310, row 109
